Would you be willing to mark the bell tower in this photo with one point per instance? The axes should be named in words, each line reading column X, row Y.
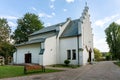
column 86, row 35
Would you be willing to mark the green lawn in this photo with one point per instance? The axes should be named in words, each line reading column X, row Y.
column 14, row 71
column 117, row 63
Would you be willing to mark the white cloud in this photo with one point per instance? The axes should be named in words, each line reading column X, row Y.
column 101, row 44
column 53, row 14
column 47, row 24
column 9, row 17
column 33, row 8
column 52, row 6
column 44, row 15
column 52, row 0
column 99, row 23
column 64, row 10
column 70, row 1
column 102, row 22
column 118, row 21
column 12, row 24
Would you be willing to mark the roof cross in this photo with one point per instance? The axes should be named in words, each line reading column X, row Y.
column 86, row 3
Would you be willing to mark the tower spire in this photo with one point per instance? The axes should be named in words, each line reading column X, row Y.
column 85, row 11
column 86, row 6
column 86, row 3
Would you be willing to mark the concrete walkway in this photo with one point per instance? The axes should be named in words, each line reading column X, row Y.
column 100, row 71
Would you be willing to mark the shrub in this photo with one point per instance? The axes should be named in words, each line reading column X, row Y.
column 67, row 62
column 108, row 56
column 1, row 62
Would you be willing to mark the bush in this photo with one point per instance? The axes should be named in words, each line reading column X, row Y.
column 1, row 62
column 108, row 56
column 67, row 62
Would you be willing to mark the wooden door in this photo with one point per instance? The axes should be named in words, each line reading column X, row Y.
column 28, row 58
column 90, row 56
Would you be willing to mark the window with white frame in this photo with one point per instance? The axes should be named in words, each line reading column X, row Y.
column 73, row 54
column 68, row 54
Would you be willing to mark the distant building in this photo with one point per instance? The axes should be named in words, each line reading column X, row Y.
column 72, row 39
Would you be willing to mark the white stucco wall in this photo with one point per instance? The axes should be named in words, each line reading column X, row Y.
column 69, row 43
column 87, row 36
column 62, row 28
column 34, row 49
column 14, row 57
column 49, row 56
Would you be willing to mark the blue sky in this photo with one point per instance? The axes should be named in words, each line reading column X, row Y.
column 102, row 12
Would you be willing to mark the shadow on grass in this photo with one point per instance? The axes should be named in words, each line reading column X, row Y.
column 65, row 66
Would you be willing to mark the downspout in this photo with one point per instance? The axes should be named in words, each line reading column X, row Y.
column 39, row 54
column 78, row 50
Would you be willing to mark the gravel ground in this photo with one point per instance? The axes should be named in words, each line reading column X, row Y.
column 100, row 71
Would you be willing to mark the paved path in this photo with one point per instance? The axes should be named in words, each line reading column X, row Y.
column 99, row 71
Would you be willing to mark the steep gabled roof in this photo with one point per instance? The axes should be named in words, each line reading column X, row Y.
column 72, row 29
column 48, row 29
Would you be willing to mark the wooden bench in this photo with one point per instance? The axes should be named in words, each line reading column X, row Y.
column 29, row 67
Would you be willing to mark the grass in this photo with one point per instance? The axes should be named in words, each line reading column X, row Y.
column 14, row 71
column 117, row 63
column 64, row 66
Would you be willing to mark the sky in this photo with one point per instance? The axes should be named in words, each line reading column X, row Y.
column 102, row 14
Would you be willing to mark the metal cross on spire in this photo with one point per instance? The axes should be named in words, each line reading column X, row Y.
column 86, row 7
column 86, row 3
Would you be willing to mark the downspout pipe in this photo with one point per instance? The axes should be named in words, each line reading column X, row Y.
column 78, row 50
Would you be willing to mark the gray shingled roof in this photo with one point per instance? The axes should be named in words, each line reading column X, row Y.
column 72, row 29
column 32, row 42
column 47, row 29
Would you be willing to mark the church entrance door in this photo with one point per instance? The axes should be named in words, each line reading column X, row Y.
column 28, row 58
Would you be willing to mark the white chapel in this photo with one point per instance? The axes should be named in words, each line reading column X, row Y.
column 72, row 40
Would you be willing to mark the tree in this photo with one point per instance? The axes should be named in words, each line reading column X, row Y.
column 98, row 54
column 113, row 39
column 108, row 56
column 4, row 30
column 6, row 49
column 26, row 25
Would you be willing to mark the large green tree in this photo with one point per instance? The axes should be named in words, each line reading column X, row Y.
column 98, row 54
column 4, row 30
column 113, row 39
column 26, row 25
column 6, row 49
